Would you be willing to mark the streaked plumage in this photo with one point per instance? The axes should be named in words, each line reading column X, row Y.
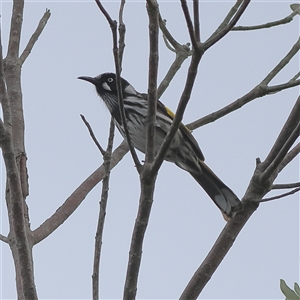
column 184, row 150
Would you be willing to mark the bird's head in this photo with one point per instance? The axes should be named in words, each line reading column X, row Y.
column 106, row 87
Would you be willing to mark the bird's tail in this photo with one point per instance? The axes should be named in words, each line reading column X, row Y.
column 220, row 193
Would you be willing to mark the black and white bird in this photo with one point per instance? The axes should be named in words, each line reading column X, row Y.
column 184, row 150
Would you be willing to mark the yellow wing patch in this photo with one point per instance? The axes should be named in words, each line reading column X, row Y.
column 170, row 113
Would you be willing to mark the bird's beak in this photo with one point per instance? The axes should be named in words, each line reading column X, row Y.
column 89, row 79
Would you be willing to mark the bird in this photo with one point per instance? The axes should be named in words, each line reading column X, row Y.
column 184, row 150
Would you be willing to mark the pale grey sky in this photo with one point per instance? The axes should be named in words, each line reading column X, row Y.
column 184, row 223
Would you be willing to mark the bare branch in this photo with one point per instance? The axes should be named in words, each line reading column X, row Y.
column 92, row 134
column 166, row 33
column 217, row 253
column 285, row 186
column 75, row 199
column 256, row 92
column 113, row 26
column 259, row 91
column 102, row 212
column 106, row 14
column 279, row 196
column 282, row 63
column 147, row 178
column 189, row 23
column 289, row 157
column 3, row 238
column 4, row 100
column 280, row 87
column 285, row 20
column 186, row 94
column 152, row 8
column 122, row 31
column 285, row 140
column 182, row 53
column 296, row 76
column 181, row 56
column 35, row 36
column 221, row 32
column 196, row 20
column 15, row 30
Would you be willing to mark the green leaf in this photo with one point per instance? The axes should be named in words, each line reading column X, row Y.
column 289, row 293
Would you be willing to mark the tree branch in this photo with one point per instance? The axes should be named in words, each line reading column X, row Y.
column 122, row 31
column 186, row 94
column 102, row 212
column 182, row 53
column 282, row 63
column 189, row 24
column 222, row 31
column 152, row 9
column 285, row 186
column 113, row 26
column 285, row 20
column 196, row 20
column 4, row 100
column 259, row 91
column 279, row 196
column 285, row 140
column 15, row 30
column 75, row 199
column 147, row 178
column 219, row 250
column 289, row 157
column 35, row 36
column 3, row 238
column 92, row 134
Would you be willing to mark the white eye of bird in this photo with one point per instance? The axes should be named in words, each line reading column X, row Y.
column 110, row 79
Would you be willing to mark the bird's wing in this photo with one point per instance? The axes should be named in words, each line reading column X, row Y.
column 184, row 130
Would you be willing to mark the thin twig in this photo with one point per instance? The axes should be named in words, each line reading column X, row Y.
column 259, row 91
column 282, row 63
column 285, row 140
column 285, row 186
column 256, row 92
column 181, row 55
column 196, row 20
column 189, row 24
column 280, row 87
column 296, row 76
column 152, row 9
column 285, row 20
column 122, row 31
column 166, row 33
column 3, row 238
column 222, row 32
column 279, row 196
column 281, row 154
column 102, row 212
column 289, row 157
column 228, row 17
column 106, row 14
column 15, row 30
column 3, row 94
column 185, row 96
column 113, row 26
column 87, row 124
column 35, row 36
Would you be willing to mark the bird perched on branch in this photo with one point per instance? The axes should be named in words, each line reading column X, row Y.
column 184, row 150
